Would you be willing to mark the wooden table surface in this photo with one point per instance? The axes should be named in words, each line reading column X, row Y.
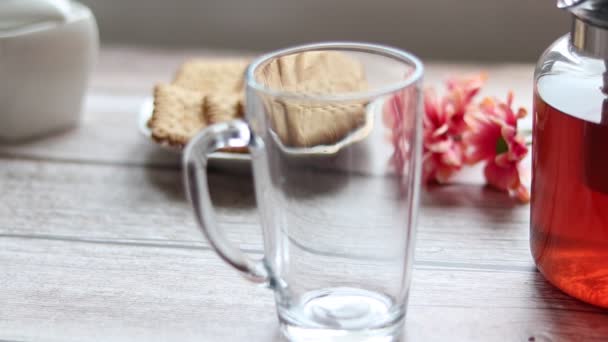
column 97, row 241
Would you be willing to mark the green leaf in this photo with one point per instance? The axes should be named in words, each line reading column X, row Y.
column 501, row 146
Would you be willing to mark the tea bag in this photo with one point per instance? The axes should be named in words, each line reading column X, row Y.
column 307, row 123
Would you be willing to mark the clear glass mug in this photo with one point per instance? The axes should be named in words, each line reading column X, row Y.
column 339, row 210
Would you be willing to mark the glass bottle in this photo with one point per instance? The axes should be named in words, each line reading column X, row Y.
column 569, row 208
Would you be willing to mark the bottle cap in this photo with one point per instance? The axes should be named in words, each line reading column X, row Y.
column 590, row 28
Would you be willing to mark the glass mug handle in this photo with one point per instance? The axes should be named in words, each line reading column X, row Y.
column 234, row 133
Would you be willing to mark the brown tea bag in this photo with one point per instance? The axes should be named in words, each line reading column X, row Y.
column 314, row 72
column 307, row 124
column 312, row 125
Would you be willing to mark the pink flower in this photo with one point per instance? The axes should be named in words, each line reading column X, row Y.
column 442, row 154
column 461, row 93
column 493, row 138
column 400, row 128
column 444, row 123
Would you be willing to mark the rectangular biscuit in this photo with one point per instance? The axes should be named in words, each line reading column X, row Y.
column 212, row 76
column 219, row 107
column 178, row 114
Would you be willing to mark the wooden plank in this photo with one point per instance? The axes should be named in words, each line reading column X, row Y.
column 107, row 134
column 97, row 203
column 66, row 291
column 133, row 205
column 77, row 292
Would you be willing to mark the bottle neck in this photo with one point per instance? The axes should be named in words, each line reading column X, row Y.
column 588, row 39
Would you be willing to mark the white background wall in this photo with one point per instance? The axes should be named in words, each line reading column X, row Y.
column 498, row 30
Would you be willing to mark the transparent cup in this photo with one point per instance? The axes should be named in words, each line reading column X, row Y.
column 337, row 183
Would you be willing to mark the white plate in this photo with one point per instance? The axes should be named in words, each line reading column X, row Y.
column 147, row 108
column 145, row 113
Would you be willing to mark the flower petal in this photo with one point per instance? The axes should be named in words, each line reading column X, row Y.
column 480, row 142
column 502, row 178
column 522, row 194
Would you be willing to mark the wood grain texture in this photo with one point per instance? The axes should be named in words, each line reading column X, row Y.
column 77, row 292
column 473, row 266
column 97, row 242
column 147, row 205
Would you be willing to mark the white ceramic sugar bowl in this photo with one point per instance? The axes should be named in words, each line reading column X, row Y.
column 48, row 49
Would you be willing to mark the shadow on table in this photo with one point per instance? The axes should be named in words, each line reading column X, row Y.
column 230, row 185
column 567, row 318
column 491, row 209
column 466, row 195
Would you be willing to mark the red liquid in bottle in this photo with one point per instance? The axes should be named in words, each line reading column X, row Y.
column 569, row 222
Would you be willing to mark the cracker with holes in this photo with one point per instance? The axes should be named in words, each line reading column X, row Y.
column 204, row 92
column 220, row 107
column 178, row 114
column 212, row 76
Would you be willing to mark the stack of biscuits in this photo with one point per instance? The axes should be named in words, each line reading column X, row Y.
column 205, row 92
